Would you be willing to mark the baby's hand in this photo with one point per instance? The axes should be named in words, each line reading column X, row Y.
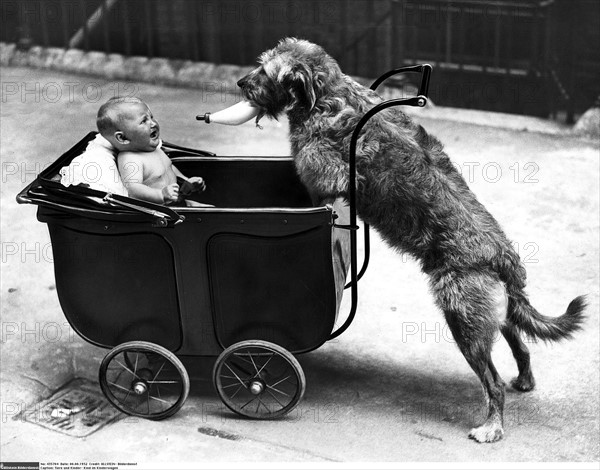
column 170, row 193
column 198, row 182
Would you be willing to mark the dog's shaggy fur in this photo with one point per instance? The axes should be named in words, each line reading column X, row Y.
column 410, row 192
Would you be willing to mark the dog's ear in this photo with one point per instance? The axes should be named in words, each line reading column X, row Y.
column 299, row 81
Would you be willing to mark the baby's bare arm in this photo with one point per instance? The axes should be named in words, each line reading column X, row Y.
column 178, row 173
column 132, row 169
column 198, row 180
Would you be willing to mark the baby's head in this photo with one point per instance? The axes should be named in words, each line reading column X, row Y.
column 127, row 123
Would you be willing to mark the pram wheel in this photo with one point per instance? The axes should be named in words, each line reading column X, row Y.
column 258, row 379
column 144, row 379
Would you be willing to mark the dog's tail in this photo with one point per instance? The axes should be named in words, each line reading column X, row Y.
column 526, row 318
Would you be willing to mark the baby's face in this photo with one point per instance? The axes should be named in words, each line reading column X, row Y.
column 139, row 127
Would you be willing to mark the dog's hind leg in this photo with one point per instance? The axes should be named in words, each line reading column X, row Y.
column 525, row 381
column 477, row 352
column 469, row 302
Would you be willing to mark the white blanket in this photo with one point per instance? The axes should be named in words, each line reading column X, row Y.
column 95, row 167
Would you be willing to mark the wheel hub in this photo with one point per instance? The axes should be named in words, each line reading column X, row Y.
column 256, row 387
column 140, row 387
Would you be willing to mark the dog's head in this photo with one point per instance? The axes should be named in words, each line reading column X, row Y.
column 290, row 78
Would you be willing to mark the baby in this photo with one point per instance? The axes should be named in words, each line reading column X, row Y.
column 146, row 171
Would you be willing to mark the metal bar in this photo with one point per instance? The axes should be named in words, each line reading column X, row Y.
column 397, row 33
column 416, row 101
column 497, row 39
column 461, row 47
column 572, row 24
column 509, row 45
column 367, row 254
column 212, row 38
column 424, row 86
column 420, row 100
column 534, row 40
column 85, row 28
column 126, row 31
column 354, row 282
column 255, row 40
column 438, row 41
column 422, row 68
column 106, row 28
column 373, row 56
column 449, row 32
column 344, row 33
column 65, row 23
column 149, row 30
column 488, row 41
column 414, row 37
column 190, row 36
column 43, row 15
column 548, row 48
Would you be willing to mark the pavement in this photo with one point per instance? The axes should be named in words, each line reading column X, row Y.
column 393, row 389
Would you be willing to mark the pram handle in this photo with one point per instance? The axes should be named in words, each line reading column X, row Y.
column 424, row 69
column 420, row 101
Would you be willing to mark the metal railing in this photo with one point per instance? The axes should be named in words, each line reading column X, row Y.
column 532, row 49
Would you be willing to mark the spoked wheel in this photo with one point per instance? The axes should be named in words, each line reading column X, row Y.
column 144, row 379
column 258, row 379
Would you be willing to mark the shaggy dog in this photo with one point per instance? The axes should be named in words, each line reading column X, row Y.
column 411, row 193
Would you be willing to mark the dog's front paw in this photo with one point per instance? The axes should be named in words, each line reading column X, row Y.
column 489, row 432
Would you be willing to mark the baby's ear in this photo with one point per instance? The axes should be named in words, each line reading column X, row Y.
column 120, row 138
